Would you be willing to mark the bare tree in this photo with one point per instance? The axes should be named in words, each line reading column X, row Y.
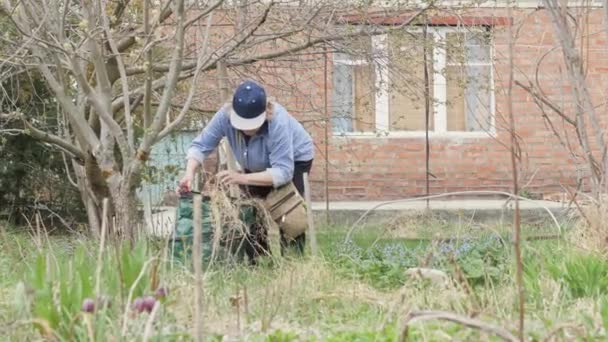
column 115, row 68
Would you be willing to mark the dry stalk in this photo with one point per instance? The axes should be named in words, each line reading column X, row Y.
column 150, row 322
column 228, row 228
column 89, row 325
column 196, row 261
column 559, row 328
column 462, row 280
column 104, row 225
column 446, row 316
column 591, row 233
column 125, row 319
column 245, row 302
column 513, row 148
column 311, row 222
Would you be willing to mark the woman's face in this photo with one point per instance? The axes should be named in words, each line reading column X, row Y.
column 251, row 132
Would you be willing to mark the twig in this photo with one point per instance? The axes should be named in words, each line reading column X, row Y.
column 457, row 193
column 516, row 213
column 184, row 109
column 560, row 327
column 447, row 316
column 148, row 76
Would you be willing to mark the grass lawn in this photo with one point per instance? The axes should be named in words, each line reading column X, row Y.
column 354, row 291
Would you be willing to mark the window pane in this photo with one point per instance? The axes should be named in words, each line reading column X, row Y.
column 456, row 85
column 468, row 82
column 468, row 47
column 454, row 46
column 468, row 98
column 365, row 98
column 353, row 98
column 478, row 47
column 342, row 98
column 477, row 97
column 407, row 83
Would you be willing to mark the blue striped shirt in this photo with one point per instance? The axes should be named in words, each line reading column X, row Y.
column 277, row 145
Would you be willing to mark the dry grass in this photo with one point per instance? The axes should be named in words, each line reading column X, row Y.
column 309, row 298
column 591, row 231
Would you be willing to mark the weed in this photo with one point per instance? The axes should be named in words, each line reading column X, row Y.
column 356, row 292
column 584, row 275
column 384, row 265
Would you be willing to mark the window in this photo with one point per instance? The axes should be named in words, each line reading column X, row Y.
column 379, row 83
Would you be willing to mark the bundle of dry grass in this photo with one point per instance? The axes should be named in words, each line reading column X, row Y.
column 229, row 226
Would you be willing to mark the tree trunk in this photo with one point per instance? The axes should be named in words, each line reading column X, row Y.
column 90, row 203
column 127, row 219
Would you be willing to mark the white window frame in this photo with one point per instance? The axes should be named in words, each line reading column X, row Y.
column 379, row 46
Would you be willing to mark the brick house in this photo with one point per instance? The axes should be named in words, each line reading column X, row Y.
column 379, row 153
column 376, row 108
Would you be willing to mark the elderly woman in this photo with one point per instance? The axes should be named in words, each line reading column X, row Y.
column 271, row 146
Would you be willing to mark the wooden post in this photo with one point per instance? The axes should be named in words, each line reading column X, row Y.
column 197, row 262
column 327, row 120
column 311, row 222
column 226, row 158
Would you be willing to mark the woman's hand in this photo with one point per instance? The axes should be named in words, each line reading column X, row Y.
column 227, row 177
column 185, row 184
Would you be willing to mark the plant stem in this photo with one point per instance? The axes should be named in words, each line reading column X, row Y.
column 516, row 214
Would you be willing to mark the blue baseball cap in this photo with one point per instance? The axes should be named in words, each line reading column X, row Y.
column 248, row 106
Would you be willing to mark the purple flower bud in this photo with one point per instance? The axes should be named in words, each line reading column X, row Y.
column 149, row 302
column 161, row 292
column 88, row 305
column 138, row 304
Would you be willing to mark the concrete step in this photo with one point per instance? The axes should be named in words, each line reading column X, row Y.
column 475, row 210
column 345, row 213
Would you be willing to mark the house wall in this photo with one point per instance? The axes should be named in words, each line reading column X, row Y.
column 393, row 166
column 374, row 168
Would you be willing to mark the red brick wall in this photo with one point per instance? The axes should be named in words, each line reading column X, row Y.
column 386, row 168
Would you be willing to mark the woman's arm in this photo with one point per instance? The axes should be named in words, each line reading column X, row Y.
column 202, row 146
column 263, row 178
column 208, row 140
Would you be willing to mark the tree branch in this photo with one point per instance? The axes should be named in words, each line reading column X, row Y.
column 184, row 110
column 447, row 316
column 125, row 43
column 172, row 78
column 286, row 51
column 81, row 127
column 187, row 67
column 38, row 134
column 97, row 100
column 546, row 101
column 124, row 82
column 148, row 76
